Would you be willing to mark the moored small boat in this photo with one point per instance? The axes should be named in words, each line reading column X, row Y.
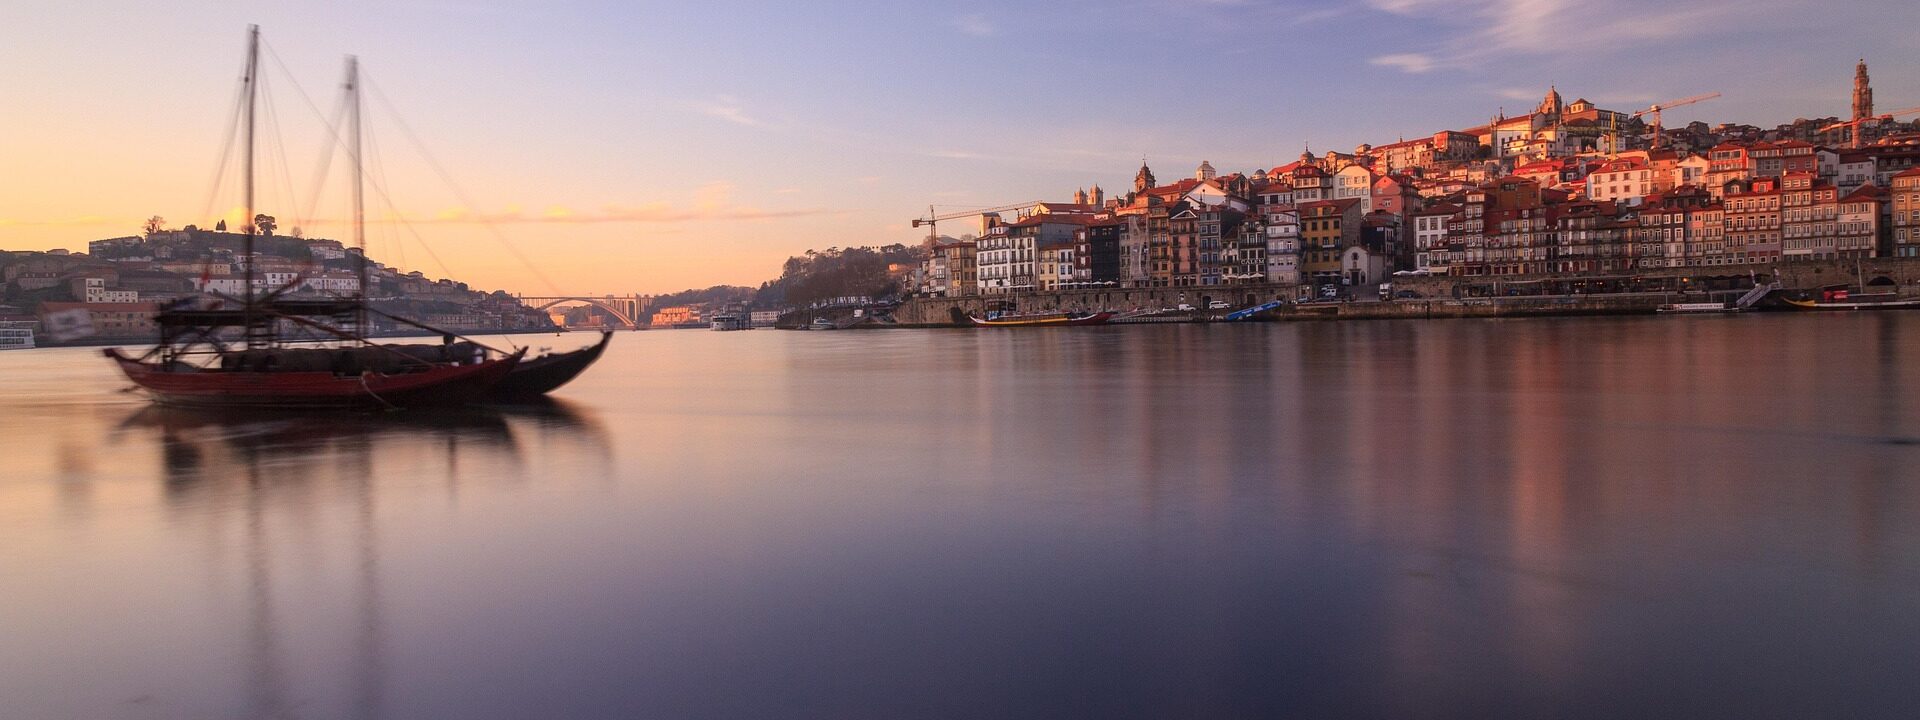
column 1817, row 305
column 960, row 317
column 1695, row 308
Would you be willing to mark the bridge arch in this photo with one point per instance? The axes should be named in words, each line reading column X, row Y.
column 617, row 313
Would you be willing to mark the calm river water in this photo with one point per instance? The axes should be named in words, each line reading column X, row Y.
column 1675, row 517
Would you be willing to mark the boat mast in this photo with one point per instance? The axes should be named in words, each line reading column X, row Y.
column 359, row 195
column 246, row 246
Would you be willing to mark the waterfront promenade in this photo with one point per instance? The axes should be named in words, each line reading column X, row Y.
column 1636, row 291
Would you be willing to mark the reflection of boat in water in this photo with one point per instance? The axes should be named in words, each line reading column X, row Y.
column 262, row 429
column 960, row 317
column 538, row 376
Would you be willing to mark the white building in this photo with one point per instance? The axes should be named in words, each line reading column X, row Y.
column 1133, row 251
column 1354, row 181
column 1283, row 244
column 97, row 292
column 1430, row 238
column 1853, row 170
column 1690, row 171
column 332, row 283
column 1625, row 180
column 1005, row 263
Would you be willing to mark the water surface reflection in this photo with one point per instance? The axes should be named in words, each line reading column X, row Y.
column 1577, row 518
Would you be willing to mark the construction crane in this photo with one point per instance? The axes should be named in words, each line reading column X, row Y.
column 1854, row 142
column 1655, row 112
column 932, row 220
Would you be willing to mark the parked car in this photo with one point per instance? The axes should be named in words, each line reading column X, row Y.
column 1183, row 307
column 1217, row 305
column 1407, row 295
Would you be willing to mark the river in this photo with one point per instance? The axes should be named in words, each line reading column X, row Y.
column 1603, row 517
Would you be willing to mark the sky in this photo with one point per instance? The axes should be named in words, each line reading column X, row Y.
column 620, row 147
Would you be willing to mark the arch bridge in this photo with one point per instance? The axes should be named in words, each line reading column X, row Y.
column 628, row 309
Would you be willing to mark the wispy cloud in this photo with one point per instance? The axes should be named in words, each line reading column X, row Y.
column 80, row 221
column 712, row 202
column 1497, row 28
column 728, row 108
column 1409, row 62
column 648, row 213
column 975, row 25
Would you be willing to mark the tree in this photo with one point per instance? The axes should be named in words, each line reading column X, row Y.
column 220, row 226
column 264, row 223
column 191, row 228
column 154, row 224
column 298, row 234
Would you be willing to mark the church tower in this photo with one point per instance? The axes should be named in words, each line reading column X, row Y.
column 1080, row 198
column 1862, row 92
column 1205, row 171
column 1551, row 104
column 1143, row 179
column 1098, row 197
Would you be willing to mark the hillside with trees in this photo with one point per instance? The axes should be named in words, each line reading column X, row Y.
column 836, row 272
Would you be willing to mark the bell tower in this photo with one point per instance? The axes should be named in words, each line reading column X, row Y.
column 1143, row 179
column 1862, row 92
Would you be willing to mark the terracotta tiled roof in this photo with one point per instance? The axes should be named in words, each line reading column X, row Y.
column 1053, row 219
column 1869, row 191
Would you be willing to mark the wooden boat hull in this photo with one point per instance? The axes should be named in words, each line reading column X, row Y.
column 542, row 375
column 437, row 385
column 1099, row 318
column 1812, row 306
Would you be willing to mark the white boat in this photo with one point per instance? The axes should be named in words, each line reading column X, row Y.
column 821, row 323
column 16, row 335
column 730, row 321
column 1696, row 308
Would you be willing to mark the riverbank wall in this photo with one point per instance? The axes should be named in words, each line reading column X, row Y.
column 1444, row 296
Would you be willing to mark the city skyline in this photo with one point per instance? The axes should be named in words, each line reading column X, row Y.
column 622, row 153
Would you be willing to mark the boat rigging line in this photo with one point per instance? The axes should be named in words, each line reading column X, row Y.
column 458, row 192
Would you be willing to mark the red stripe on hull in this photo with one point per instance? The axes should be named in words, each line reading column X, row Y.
column 437, row 385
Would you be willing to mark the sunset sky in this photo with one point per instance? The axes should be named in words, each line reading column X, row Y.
column 649, row 147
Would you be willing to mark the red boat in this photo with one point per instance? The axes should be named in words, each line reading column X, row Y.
column 411, row 385
column 535, row 377
column 263, row 350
